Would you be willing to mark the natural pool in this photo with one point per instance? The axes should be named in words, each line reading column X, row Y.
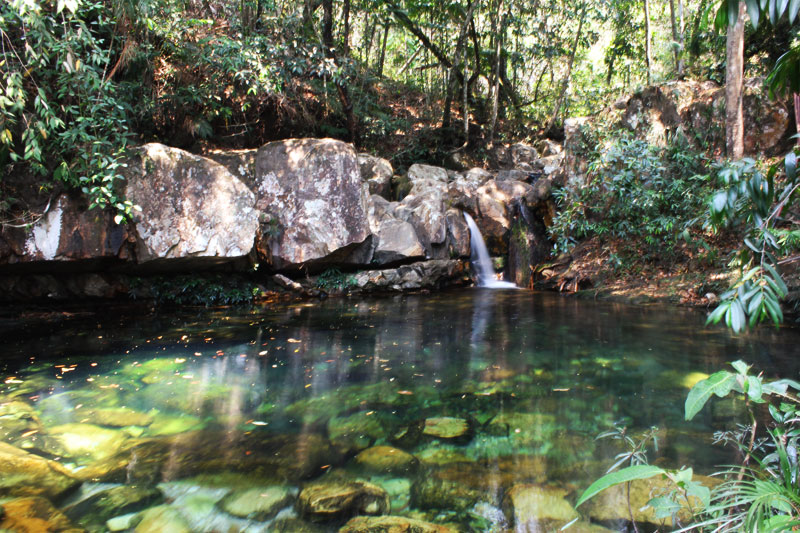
column 469, row 410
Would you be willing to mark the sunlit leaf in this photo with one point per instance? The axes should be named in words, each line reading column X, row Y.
column 620, row 476
column 720, row 383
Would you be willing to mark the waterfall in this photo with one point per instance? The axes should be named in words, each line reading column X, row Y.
column 480, row 259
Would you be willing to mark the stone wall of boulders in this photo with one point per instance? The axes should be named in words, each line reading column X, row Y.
column 297, row 208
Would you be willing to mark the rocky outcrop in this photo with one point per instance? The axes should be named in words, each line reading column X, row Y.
column 291, row 207
column 377, row 173
column 422, row 275
column 67, row 233
column 191, row 207
column 314, row 207
column 392, row 524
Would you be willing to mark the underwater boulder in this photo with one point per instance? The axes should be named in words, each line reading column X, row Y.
column 257, row 503
column 33, row 515
column 27, row 474
column 106, row 504
column 387, row 460
column 341, row 499
column 392, row 524
column 537, row 508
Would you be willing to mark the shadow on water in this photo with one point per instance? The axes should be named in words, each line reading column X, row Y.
column 453, row 407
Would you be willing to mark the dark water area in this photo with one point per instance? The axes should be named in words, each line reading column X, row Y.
column 470, row 410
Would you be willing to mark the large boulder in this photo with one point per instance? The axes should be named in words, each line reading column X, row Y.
column 315, row 209
column 191, row 207
column 396, row 240
column 67, row 232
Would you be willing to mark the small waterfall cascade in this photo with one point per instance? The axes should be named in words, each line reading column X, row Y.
column 480, row 259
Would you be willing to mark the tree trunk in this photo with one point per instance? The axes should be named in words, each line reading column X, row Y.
column 565, row 84
column 346, row 33
column 465, row 102
column 647, row 51
column 796, row 100
column 734, row 72
column 383, row 50
column 341, row 88
column 451, row 75
column 677, row 35
column 497, row 29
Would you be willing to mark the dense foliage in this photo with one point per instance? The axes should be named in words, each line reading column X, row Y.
column 639, row 194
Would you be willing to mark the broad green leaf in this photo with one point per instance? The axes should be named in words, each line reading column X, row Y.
column 754, row 388
column 699, row 491
column 720, row 383
column 664, row 507
column 794, row 6
column 740, row 366
column 733, row 12
column 754, row 10
column 790, row 163
column 720, row 201
column 620, row 476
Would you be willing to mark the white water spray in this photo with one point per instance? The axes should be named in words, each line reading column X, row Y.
column 481, row 261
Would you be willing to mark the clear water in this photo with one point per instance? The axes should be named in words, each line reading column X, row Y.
column 204, row 403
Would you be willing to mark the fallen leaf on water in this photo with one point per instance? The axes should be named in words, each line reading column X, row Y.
column 293, row 340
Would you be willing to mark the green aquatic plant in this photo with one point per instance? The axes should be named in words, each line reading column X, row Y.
column 762, row 493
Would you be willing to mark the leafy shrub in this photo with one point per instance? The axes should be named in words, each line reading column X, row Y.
column 60, row 114
column 198, row 290
column 334, row 279
column 634, row 192
column 755, row 202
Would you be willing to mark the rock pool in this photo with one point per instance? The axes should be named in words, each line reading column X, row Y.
column 469, row 410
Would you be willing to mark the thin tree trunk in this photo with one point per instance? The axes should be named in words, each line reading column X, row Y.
column 565, row 82
column 383, row 49
column 451, row 75
column 410, row 60
column 341, row 88
column 407, row 23
column 796, row 99
column 647, row 52
column 677, row 35
column 346, row 33
column 734, row 72
column 497, row 29
column 370, row 36
column 465, row 102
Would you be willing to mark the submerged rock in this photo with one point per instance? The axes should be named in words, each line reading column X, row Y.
column 26, row 474
column 387, row 460
column 34, row 515
column 115, row 417
column 357, row 431
column 334, row 500
column 611, row 505
column 83, row 442
column 162, row 518
column 259, row 503
column 535, row 508
column 392, row 524
column 447, row 428
column 116, row 501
